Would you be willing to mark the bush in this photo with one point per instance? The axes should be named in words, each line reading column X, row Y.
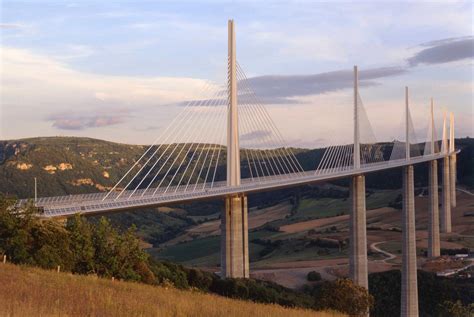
column 455, row 309
column 261, row 291
column 432, row 291
column 342, row 295
column 313, row 276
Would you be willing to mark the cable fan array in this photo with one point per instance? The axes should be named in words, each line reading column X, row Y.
column 338, row 158
column 264, row 151
column 186, row 156
column 190, row 155
column 399, row 147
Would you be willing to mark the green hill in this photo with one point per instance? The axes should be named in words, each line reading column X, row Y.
column 63, row 165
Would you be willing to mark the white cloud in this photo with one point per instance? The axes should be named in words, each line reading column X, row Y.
column 36, row 88
column 42, row 96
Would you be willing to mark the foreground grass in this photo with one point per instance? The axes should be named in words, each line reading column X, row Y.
column 26, row 291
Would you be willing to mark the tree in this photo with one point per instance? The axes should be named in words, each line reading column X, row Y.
column 344, row 296
column 81, row 245
column 15, row 231
column 130, row 256
column 313, row 276
column 103, row 238
column 50, row 245
column 455, row 309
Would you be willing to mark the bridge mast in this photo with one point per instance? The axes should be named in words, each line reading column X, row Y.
column 233, row 150
column 234, row 222
column 356, row 120
column 407, row 127
column 433, row 136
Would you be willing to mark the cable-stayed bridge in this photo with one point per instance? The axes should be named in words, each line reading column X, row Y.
column 226, row 145
column 187, row 161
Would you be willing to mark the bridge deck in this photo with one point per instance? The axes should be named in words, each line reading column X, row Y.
column 63, row 206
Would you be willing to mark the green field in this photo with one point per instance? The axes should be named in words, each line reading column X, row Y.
column 295, row 246
column 200, row 252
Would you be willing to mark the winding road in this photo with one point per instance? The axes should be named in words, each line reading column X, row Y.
column 390, row 256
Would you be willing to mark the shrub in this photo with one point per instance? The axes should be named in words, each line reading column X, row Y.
column 342, row 295
column 313, row 276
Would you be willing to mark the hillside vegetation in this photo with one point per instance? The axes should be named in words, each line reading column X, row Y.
column 34, row 292
column 100, row 250
column 63, row 165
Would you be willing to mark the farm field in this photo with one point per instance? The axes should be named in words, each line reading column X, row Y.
column 291, row 251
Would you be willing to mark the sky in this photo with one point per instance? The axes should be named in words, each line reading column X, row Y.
column 121, row 70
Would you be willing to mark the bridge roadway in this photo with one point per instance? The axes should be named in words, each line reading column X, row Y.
column 97, row 203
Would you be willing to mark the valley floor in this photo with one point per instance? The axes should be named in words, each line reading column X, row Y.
column 26, row 291
column 290, row 263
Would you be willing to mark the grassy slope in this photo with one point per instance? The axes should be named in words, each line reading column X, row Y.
column 33, row 292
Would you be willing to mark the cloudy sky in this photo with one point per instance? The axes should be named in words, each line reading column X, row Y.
column 120, row 71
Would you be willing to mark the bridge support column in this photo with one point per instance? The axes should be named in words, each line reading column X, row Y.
column 452, row 162
column 234, row 238
column 433, row 230
column 358, row 234
column 409, row 298
column 446, row 202
column 452, row 179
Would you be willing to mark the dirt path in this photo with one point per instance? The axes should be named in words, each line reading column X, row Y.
column 390, row 256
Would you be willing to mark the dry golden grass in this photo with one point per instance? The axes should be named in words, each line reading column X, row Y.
column 26, row 291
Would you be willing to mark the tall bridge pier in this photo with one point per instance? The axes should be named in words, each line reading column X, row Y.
column 409, row 299
column 446, row 191
column 409, row 296
column 433, row 229
column 234, row 238
column 358, row 234
column 234, row 222
column 452, row 162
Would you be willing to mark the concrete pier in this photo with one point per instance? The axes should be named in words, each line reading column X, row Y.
column 234, row 238
column 452, row 179
column 452, row 161
column 409, row 296
column 446, row 201
column 433, row 229
column 358, row 234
